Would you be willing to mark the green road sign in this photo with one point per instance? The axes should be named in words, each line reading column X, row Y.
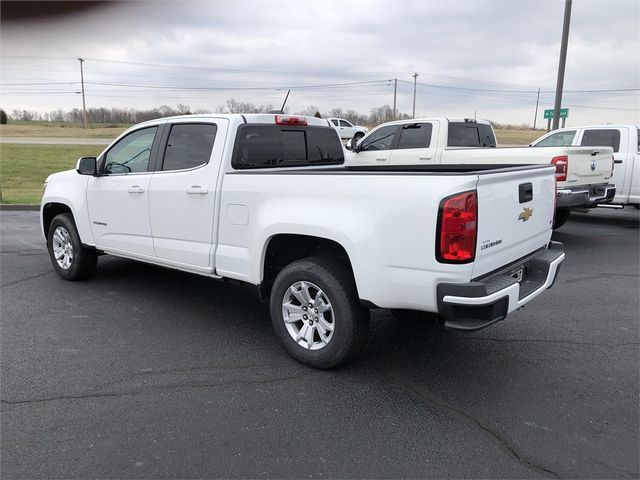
column 564, row 113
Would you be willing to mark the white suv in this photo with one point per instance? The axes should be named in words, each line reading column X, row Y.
column 347, row 130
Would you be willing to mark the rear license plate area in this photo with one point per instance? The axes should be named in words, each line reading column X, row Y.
column 519, row 273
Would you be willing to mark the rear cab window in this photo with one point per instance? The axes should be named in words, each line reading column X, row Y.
column 609, row 137
column 279, row 146
column 470, row 134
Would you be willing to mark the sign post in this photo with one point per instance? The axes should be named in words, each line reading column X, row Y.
column 548, row 115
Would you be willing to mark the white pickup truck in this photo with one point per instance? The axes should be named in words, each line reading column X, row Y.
column 348, row 130
column 625, row 142
column 583, row 173
column 266, row 200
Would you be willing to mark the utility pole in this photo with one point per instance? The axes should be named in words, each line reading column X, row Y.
column 395, row 92
column 561, row 64
column 84, row 106
column 535, row 115
column 415, row 79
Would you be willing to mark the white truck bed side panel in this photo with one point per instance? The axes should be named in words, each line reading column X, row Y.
column 389, row 218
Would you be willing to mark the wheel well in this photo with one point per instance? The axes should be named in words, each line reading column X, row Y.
column 50, row 211
column 286, row 248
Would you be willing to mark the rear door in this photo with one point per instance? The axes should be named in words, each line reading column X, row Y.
column 375, row 148
column 416, row 144
column 182, row 192
column 346, row 129
column 515, row 215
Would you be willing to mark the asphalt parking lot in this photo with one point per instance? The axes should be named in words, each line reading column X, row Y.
column 144, row 372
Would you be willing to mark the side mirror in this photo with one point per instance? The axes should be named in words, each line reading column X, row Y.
column 352, row 145
column 86, row 166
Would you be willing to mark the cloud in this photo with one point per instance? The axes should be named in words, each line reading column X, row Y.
column 508, row 46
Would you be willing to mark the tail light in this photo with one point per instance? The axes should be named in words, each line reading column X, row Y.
column 562, row 166
column 457, row 228
column 288, row 120
column 613, row 164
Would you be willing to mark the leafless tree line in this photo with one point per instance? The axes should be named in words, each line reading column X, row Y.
column 107, row 116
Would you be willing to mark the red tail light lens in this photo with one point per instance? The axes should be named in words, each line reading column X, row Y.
column 287, row 120
column 457, row 228
column 562, row 166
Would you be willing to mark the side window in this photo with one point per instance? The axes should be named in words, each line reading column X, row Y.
column 470, row 134
column 189, row 146
column 334, row 121
column 560, row 139
column 344, row 123
column 601, row 138
column 381, row 139
column 131, row 154
column 415, row 135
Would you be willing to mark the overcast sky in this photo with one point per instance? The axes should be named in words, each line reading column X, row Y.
column 483, row 56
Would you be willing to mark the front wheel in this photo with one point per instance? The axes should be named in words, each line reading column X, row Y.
column 316, row 312
column 69, row 258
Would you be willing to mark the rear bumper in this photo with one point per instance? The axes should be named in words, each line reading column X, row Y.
column 478, row 304
column 586, row 196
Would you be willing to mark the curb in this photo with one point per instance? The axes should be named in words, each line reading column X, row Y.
column 19, row 208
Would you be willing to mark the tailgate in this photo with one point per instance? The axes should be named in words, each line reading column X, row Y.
column 589, row 165
column 515, row 214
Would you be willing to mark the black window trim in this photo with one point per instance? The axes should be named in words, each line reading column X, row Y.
column 236, row 167
column 152, row 155
column 162, row 147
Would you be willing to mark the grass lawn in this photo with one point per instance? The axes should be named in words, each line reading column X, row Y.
column 23, row 168
column 46, row 129
column 517, row 137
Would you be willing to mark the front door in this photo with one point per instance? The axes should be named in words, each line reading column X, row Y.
column 375, row 148
column 118, row 199
column 183, row 192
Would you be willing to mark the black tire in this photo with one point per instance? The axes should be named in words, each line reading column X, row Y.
column 562, row 215
column 350, row 319
column 84, row 260
column 357, row 137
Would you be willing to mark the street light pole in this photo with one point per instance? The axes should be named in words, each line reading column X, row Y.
column 415, row 79
column 535, row 115
column 561, row 64
column 84, row 106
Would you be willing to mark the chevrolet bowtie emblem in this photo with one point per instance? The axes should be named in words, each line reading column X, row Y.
column 525, row 214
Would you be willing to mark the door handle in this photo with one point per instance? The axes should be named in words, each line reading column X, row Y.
column 381, row 159
column 617, row 161
column 424, row 158
column 136, row 189
column 197, row 190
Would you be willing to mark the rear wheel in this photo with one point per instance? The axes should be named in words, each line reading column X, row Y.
column 358, row 136
column 69, row 258
column 562, row 215
column 316, row 312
